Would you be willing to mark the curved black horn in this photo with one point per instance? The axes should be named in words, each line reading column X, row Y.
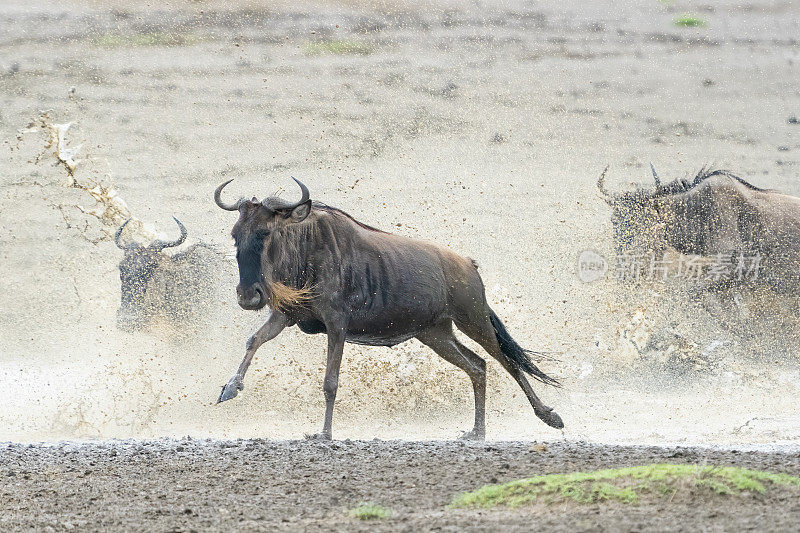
column 655, row 176
column 160, row 245
column 305, row 192
column 118, row 234
column 223, row 205
column 601, row 184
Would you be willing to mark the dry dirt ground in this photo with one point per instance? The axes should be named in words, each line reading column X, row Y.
column 263, row 485
column 480, row 126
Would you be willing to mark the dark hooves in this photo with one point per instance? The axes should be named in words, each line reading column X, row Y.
column 550, row 418
column 227, row 393
column 473, row 435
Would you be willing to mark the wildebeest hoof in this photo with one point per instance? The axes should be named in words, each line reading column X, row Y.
column 230, row 390
column 318, row 436
column 549, row 417
column 473, row 435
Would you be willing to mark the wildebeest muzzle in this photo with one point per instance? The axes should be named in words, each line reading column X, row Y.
column 252, row 296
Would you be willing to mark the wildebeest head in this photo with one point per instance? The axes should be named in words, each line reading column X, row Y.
column 258, row 220
column 135, row 271
column 636, row 219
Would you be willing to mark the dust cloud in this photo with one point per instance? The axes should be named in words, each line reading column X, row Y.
column 480, row 126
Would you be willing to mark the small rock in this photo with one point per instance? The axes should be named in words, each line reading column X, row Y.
column 450, row 90
column 498, row 138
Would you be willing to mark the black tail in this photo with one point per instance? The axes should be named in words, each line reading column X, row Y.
column 518, row 355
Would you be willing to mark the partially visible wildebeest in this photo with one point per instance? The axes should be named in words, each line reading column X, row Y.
column 317, row 267
column 714, row 214
column 155, row 284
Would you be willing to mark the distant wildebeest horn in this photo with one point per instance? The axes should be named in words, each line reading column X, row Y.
column 118, row 234
column 223, row 205
column 655, row 176
column 304, row 190
column 160, row 245
column 601, row 184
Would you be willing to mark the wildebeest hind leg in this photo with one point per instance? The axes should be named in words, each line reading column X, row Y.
column 442, row 341
column 276, row 323
column 482, row 332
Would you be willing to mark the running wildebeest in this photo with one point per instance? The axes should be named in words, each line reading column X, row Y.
column 714, row 214
column 154, row 283
column 319, row 268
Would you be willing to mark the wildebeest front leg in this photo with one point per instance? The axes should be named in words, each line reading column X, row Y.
column 276, row 323
column 336, row 338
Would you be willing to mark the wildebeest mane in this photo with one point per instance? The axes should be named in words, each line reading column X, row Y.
column 681, row 185
column 336, row 210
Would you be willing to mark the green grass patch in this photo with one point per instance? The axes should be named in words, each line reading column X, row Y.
column 370, row 511
column 339, row 47
column 689, row 21
column 626, row 485
column 118, row 40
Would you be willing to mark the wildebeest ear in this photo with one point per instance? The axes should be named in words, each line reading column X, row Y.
column 300, row 212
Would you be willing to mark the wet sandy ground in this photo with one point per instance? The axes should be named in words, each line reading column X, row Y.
column 184, row 485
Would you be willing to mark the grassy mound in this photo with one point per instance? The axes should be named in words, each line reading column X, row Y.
column 689, row 21
column 625, row 485
column 369, row 511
